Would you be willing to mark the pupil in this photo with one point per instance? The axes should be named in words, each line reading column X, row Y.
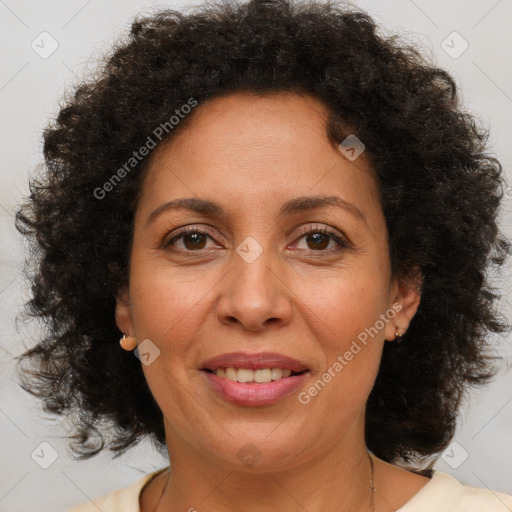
column 318, row 237
column 196, row 239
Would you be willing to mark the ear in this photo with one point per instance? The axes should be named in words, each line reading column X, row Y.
column 123, row 311
column 405, row 299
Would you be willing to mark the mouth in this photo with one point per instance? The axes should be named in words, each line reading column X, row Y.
column 254, row 379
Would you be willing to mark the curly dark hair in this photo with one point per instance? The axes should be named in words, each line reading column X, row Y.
column 440, row 192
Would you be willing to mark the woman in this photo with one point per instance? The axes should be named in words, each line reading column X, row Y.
column 290, row 220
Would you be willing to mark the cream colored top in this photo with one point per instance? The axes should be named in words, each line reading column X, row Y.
column 442, row 494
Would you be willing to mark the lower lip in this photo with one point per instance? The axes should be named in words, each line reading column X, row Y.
column 252, row 393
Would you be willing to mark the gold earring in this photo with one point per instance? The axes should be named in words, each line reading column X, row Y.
column 128, row 342
column 398, row 334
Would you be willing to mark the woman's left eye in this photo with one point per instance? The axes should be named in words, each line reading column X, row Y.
column 319, row 239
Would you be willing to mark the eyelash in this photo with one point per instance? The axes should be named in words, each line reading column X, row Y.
column 342, row 242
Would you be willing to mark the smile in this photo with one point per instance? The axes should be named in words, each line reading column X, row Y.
column 254, row 379
column 252, row 393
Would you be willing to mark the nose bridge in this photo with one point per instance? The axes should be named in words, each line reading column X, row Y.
column 253, row 268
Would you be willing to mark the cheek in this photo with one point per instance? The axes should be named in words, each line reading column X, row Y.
column 342, row 304
column 165, row 305
column 343, row 314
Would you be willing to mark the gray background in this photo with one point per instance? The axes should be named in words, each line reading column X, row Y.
column 30, row 90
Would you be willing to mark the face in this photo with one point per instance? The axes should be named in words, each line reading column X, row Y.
column 281, row 254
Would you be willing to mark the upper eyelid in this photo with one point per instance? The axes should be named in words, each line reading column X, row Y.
column 208, row 230
column 320, row 228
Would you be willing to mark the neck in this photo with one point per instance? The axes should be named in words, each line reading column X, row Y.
column 338, row 479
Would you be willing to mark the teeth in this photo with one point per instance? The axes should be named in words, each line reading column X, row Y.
column 231, row 374
column 247, row 375
column 276, row 373
column 264, row 375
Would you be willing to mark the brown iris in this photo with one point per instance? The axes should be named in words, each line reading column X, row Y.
column 318, row 240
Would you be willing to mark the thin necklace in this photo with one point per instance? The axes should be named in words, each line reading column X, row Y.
column 371, row 483
column 163, row 490
column 371, row 487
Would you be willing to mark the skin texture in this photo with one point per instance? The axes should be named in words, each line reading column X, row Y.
column 303, row 297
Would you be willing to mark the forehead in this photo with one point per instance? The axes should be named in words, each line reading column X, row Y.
column 265, row 149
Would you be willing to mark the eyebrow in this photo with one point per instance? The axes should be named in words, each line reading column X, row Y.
column 296, row 205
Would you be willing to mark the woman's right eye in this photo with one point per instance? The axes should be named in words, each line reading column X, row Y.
column 191, row 240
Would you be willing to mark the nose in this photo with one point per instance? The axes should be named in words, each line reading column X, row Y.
column 254, row 295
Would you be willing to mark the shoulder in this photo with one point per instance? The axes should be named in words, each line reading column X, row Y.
column 120, row 500
column 444, row 493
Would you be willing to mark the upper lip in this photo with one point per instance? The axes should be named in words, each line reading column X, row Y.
column 254, row 361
